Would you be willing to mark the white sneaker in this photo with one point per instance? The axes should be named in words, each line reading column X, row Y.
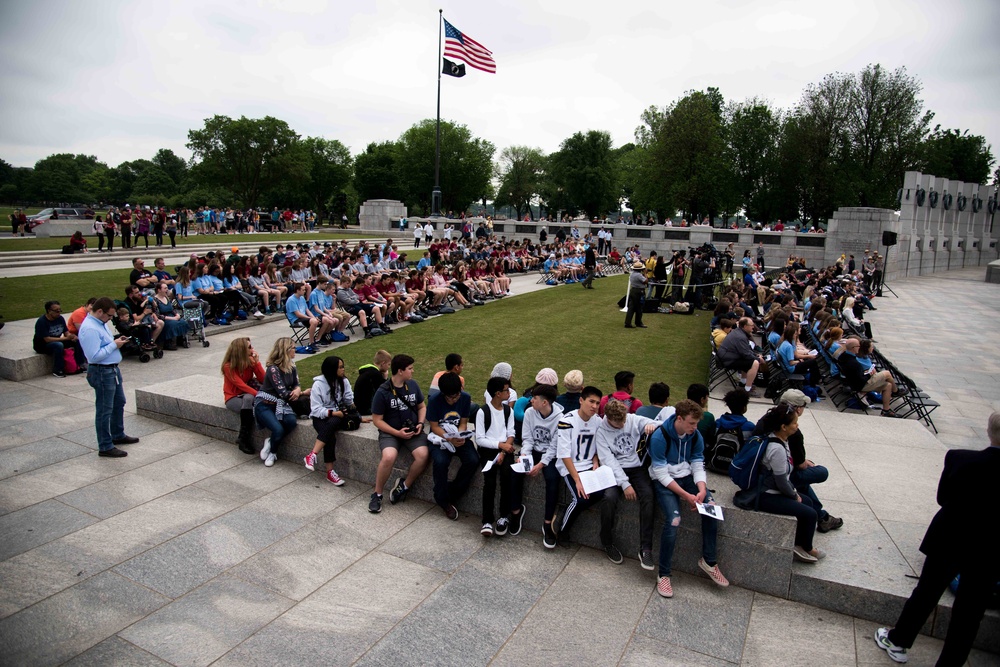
column 271, row 458
column 803, row 556
column 259, row 315
column 897, row 653
column 265, row 450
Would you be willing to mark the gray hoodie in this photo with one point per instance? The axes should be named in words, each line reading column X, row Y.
column 540, row 434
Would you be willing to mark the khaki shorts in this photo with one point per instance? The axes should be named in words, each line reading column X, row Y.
column 878, row 381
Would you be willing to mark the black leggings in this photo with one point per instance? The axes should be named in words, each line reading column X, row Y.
column 326, row 432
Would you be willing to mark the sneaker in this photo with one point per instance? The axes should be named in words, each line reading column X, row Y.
column 829, row 523
column 59, row 374
column 451, row 512
column 803, row 556
column 375, row 504
column 897, row 653
column 271, row 458
column 614, row 555
column 503, row 524
column 334, row 478
column 646, row 559
column 713, row 573
column 259, row 315
column 548, row 536
column 664, row 588
column 515, row 522
column 398, row 493
column 486, row 530
column 265, row 451
column 310, row 461
column 890, row 413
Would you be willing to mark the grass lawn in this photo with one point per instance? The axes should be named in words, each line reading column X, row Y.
column 24, row 297
column 564, row 328
column 324, row 234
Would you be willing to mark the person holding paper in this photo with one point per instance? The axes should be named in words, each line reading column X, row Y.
column 448, row 414
column 495, row 439
column 618, row 439
column 539, row 438
column 577, row 452
column 678, row 471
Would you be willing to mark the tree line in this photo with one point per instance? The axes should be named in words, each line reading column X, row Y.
column 846, row 142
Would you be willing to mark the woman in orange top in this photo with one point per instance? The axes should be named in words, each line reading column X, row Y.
column 242, row 375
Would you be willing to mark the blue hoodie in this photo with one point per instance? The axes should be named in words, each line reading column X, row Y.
column 679, row 457
column 732, row 422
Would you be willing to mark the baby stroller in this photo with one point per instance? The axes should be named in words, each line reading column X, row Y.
column 194, row 314
column 134, row 346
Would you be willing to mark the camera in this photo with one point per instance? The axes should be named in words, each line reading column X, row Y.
column 409, row 425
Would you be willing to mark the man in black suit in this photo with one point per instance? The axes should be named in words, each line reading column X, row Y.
column 955, row 543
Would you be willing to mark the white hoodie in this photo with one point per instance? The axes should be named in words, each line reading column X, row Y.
column 541, row 434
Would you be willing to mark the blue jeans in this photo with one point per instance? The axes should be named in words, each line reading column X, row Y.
column 671, row 506
column 56, row 349
column 110, row 416
column 803, row 478
column 279, row 428
column 448, row 493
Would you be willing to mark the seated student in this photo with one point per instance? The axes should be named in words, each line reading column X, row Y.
column 52, row 337
column 776, row 493
column 350, row 301
column 280, row 388
column 861, row 382
column 805, row 473
column 719, row 334
column 370, row 378
column 737, row 354
column 793, row 361
column 142, row 316
column 79, row 315
column 570, row 399
column 737, row 402
column 329, row 291
column 370, row 297
column 539, row 437
column 316, row 304
column 330, row 402
column 658, row 409
column 495, row 440
column 297, row 310
column 576, row 453
column 242, row 375
column 448, row 414
column 676, row 450
column 452, row 364
column 617, row 442
column 503, row 370
column 699, row 394
column 398, row 413
column 624, row 385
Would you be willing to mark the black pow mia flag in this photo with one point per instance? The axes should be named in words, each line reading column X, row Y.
column 452, row 68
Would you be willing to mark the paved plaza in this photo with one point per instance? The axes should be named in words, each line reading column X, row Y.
column 188, row 552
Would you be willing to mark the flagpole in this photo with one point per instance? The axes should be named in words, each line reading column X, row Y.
column 436, row 193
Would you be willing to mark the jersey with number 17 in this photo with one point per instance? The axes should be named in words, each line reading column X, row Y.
column 577, row 442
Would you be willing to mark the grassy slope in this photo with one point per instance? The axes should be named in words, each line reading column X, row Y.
column 564, row 328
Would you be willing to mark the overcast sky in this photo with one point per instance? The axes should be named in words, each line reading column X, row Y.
column 120, row 80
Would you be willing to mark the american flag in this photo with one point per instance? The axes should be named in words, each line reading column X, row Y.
column 463, row 47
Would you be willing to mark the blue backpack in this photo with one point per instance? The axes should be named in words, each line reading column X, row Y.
column 745, row 467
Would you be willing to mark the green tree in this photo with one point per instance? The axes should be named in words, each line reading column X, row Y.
column 172, row 165
column 248, row 156
column 521, row 171
column 885, row 125
column 754, row 138
column 60, row 178
column 688, row 158
column 585, row 171
column 330, row 171
column 377, row 173
column 956, row 156
column 466, row 166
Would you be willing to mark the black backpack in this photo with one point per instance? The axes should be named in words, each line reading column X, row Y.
column 728, row 443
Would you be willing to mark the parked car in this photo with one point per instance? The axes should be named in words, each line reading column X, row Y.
column 57, row 214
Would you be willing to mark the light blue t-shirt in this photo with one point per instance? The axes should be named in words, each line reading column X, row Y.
column 295, row 303
column 317, row 302
column 786, row 353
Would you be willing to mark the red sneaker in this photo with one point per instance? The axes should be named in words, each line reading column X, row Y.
column 332, row 476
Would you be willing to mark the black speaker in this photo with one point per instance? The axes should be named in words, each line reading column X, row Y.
column 651, row 305
column 888, row 238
